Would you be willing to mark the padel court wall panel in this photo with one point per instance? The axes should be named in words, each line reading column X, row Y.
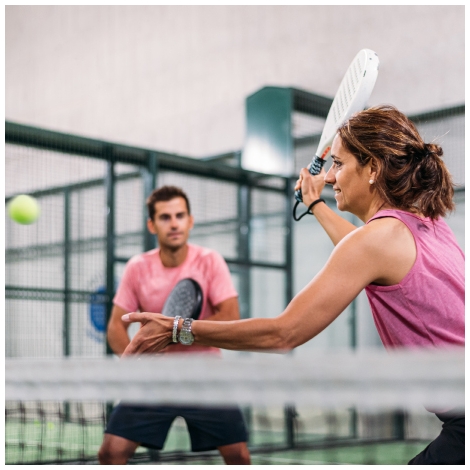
column 64, row 257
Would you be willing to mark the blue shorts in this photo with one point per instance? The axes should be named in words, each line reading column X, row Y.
column 148, row 425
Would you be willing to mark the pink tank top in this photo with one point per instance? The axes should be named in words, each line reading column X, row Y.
column 427, row 308
column 146, row 284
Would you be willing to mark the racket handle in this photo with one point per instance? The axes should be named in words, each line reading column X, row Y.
column 314, row 168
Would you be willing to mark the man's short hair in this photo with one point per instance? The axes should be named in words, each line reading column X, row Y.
column 165, row 193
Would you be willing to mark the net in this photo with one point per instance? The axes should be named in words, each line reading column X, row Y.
column 343, row 408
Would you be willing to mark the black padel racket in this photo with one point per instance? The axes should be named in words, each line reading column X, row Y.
column 184, row 300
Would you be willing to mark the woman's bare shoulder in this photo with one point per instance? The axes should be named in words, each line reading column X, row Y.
column 381, row 239
column 376, row 232
column 386, row 244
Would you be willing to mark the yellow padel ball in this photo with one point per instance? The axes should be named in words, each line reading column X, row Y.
column 24, row 209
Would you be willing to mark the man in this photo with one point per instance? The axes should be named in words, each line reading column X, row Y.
column 146, row 283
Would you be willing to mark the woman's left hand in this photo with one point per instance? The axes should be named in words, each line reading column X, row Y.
column 154, row 334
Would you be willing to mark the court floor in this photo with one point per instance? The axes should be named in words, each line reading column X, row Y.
column 75, row 444
column 396, row 453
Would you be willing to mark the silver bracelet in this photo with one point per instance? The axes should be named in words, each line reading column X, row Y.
column 175, row 329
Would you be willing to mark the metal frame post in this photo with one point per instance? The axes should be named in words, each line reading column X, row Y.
column 290, row 413
column 244, row 217
column 149, row 176
column 110, row 181
column 66, row 321
column 244, row 269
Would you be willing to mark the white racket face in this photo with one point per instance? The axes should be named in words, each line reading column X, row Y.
column 351, row 97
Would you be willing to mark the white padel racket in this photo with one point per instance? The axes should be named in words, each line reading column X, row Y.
column 351, row 97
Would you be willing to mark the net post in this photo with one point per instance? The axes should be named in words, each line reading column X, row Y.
column 290, row 415
column 399, row 419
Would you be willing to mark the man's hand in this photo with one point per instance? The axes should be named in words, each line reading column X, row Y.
column 154, row 334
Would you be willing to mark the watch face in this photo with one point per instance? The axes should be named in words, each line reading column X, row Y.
column 186, row 338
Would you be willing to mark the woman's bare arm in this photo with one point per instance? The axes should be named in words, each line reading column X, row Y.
column 383, row 252
column 354, row 263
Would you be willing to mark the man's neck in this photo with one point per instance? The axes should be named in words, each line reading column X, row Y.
column 173, row 258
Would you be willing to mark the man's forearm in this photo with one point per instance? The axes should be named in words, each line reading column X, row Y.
column 118, row 339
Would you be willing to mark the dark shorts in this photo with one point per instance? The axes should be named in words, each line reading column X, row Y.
column 208, row 428
column 449, row 447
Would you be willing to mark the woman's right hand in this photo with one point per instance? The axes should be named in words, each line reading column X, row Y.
column 154, row 335
column 311, row 185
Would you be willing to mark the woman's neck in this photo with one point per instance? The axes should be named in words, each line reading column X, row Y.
column 375, row 207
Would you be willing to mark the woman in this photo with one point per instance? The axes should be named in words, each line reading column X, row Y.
column 405, row 256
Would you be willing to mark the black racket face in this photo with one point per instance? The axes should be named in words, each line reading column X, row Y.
column 184, row 300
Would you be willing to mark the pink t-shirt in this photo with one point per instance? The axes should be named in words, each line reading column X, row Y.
column 146, row 284
column 427, row 308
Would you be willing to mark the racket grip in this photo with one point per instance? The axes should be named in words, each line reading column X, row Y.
column 314, row 168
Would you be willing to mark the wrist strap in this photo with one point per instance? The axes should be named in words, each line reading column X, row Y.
column 308, row 211
column 174, row 337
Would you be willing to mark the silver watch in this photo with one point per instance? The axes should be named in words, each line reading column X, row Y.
column 185, row 336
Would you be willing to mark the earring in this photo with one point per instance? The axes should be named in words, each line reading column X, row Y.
column 371, row 181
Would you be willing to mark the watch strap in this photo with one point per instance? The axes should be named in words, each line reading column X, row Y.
column 186, row 336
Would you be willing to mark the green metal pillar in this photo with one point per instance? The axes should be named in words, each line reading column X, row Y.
column 269, row 147
column 66, row 321
column 244, row 217
column 110, row 182
column 149, row 176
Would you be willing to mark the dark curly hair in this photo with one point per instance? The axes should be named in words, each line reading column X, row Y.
column 165, row 193
column 411, row 174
